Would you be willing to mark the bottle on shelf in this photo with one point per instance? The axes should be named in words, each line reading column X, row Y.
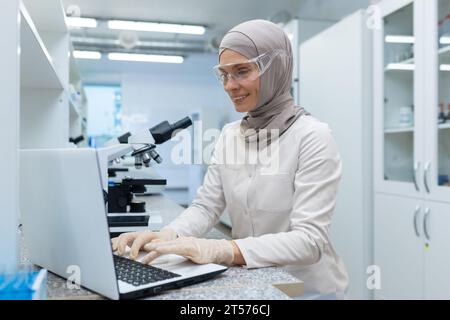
column 448, row 112
column 406, row 118
column 443, row 25
column 441, row 116
column 446, row 25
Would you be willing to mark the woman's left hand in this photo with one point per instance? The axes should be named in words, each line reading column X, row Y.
column 200, row 251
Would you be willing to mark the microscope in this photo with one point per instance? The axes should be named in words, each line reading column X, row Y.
column 120, row 185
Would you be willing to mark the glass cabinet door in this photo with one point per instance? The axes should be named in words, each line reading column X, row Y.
column 443, row 135
column 437, row 156
column 399, row 113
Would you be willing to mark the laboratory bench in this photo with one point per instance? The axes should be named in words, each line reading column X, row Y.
column 237, row 283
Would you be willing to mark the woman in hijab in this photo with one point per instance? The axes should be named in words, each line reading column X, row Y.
column 281, row 204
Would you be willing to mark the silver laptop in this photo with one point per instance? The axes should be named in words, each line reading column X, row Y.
column 65, row 229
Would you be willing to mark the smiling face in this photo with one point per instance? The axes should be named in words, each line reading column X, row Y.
column 244, row 93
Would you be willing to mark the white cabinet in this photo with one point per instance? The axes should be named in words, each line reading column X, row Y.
column 411, row 248
column 437, row 250
column 34, row 109
column 398, row 247
column 412, row 148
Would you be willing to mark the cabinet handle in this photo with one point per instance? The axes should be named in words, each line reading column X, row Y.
column 416, row 169
column 425, row 223
column 416, row 214
column 425, row 177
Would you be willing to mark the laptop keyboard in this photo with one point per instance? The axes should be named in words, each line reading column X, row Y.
column 138, row 274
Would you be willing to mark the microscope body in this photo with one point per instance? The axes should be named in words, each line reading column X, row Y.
column 124, row 210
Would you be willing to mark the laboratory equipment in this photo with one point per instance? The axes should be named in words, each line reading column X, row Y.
column 124, row 210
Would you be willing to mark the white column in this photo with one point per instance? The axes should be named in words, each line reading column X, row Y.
column 9, row 132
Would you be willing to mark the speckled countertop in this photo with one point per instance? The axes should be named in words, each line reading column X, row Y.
column 234, row 284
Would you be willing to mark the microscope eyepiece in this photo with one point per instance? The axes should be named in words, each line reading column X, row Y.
column 164, row 130
column 182, row 124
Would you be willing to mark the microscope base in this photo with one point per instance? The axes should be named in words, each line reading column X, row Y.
column 154, row 222
column 128, row 219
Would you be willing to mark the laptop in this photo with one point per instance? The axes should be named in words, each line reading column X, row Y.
column 65, row 227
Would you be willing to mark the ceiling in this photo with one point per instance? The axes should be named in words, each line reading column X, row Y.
column 218, row 16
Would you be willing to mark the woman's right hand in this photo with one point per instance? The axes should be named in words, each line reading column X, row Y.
column 137, row 240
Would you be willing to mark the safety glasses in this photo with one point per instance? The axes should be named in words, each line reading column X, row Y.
column 247, row 71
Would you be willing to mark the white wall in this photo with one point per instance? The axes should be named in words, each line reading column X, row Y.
column 308, row 28
column 335, row 87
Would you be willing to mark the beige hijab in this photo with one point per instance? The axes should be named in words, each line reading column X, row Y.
column 275, row 107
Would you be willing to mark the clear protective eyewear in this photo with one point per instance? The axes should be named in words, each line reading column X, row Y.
column 246, row 71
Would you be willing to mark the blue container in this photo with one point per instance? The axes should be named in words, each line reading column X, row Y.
column 443, row 179
column 24, row 285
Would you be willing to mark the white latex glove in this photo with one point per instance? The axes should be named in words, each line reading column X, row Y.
column 137, row 240
column 200, row 251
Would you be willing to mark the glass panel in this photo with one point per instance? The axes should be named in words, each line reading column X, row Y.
column 104, row 113
column 444, row 93
column 399, row 95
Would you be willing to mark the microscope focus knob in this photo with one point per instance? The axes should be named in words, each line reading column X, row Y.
column 137, row 207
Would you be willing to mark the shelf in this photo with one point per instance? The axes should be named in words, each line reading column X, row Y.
column 36, row 66
column 47, row 15
column 411, row 129
column 444, row 51
column 444, row 126
column 407, row 62
column 399, row 130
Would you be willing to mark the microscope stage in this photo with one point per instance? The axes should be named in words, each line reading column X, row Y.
column 133, row 222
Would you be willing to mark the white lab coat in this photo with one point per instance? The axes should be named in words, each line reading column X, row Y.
column 282, row 217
